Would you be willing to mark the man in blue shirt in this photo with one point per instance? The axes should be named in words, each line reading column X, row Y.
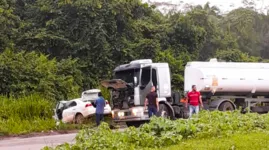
column 100, row 104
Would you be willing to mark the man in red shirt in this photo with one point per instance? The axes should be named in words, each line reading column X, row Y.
column 194, row 97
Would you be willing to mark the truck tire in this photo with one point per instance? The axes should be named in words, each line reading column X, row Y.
column 79, row 119
column 178, row 111
column 134, row 123
column 164, row 111
column 226, row 106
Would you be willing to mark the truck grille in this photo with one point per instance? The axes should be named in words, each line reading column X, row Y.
column 127, row 113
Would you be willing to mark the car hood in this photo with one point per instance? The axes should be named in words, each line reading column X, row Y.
column 114, row 83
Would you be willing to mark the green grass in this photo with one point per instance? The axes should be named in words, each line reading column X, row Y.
column 251, row 141
column 31, row 114
column 26, row 114
column 25, row 108
column 209, row 130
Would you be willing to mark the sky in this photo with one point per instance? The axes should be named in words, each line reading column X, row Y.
column 224, row 5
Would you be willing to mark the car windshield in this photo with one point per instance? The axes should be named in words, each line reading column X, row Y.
column 89, row 96
column 127, row 75
column 60, row 105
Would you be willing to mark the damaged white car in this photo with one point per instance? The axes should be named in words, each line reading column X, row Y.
column 76, row 110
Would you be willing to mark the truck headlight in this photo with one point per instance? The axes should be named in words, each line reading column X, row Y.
column 138, row 111
column 112, row 113
column 207, row 87
column 134, row 112
column 121, row 114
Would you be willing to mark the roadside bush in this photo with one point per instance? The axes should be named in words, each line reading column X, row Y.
column 29, row 114
column 25, row 114
column 162, row 132
column 25, row 73
column 25, row 108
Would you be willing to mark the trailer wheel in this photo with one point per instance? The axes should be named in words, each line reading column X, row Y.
column 226, row 106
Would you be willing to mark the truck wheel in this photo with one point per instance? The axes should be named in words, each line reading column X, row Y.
column 178, row 112
column 163, row 111
column 226, row 106
column 134, row 123
column 79, row 119
column 181, row 112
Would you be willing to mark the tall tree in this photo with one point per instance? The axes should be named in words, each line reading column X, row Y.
column 9, row 23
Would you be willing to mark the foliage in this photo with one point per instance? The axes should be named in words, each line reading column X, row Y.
column 235, row 55
column 27, row 73
column 33, row 113
column 9, row 22
column 250, row 141
column 100, row 33
column 95, row 36
column 162, row 132
column 28, row 108
column 176, row 66
column 249, row 28
column 105, row 92
column 26, row 114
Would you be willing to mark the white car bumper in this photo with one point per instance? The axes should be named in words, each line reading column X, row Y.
column 107, row 110
column 90, row 112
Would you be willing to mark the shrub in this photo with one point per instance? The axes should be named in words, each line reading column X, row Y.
column 31, row 113
column 25, row 114
column 162, row 132
column 26, row 73
column 26, row 108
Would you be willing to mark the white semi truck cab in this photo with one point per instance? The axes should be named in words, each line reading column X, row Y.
column 130, row 85
column 223, row 86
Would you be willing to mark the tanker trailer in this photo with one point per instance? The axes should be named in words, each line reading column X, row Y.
column 230, row 85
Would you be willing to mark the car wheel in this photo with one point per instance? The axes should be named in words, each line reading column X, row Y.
column 79, row 119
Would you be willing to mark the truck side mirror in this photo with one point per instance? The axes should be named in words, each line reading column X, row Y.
column 135, row 81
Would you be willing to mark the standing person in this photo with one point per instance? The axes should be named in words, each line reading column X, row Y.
column 194, row 97
column 100, row 105
column 152, row 102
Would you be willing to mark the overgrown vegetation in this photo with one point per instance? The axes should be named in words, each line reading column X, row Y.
column 25, row 73
column 59, row 48
column 161, row 132
column 28, row 114
column 77, row 43
column 250, row 141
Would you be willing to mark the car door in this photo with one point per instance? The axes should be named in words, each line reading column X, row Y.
column 69, row 113
column 56, row 116
column 58, row 111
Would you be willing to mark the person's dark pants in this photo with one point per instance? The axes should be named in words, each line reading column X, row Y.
column 99, row 118
column 152, row 110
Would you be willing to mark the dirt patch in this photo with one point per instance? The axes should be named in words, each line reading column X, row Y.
column 38, row 134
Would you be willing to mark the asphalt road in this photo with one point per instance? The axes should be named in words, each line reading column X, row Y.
column 36, row 143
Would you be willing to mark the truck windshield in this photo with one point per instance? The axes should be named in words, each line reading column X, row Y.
column 127, row 75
